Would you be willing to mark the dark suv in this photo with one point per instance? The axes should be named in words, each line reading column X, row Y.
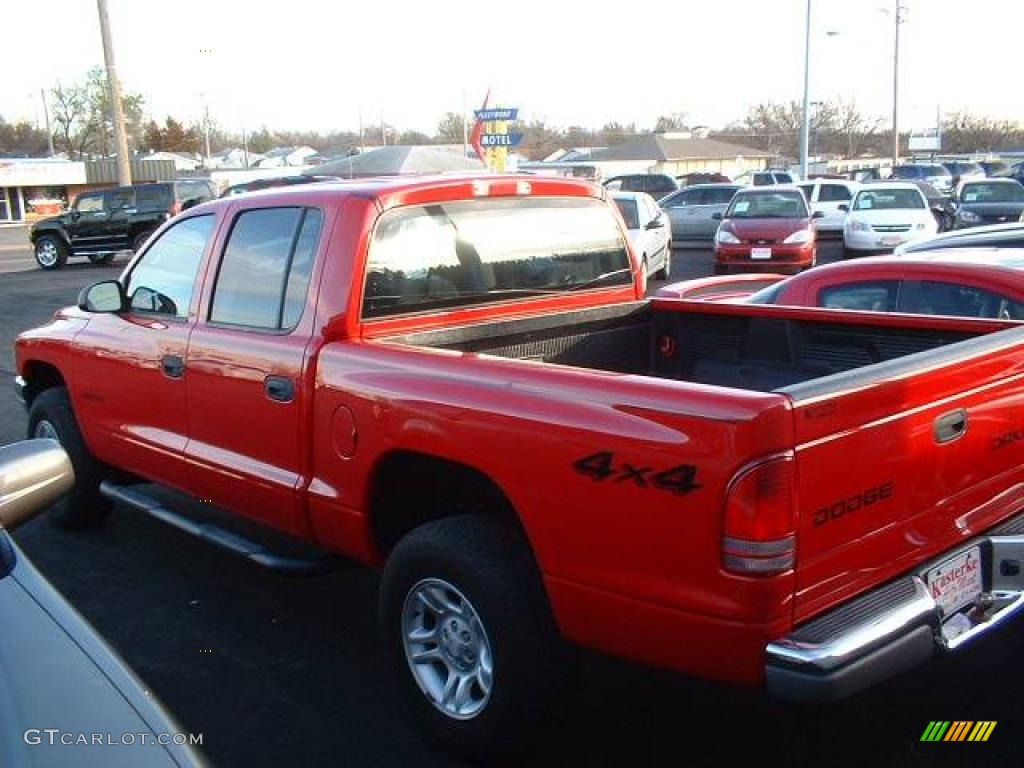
column 657, row 185
column 104, row 222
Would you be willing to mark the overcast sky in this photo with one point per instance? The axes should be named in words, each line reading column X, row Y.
column 319, row 64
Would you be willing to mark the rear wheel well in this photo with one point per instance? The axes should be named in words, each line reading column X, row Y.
column 40, row 377
column 409, row 489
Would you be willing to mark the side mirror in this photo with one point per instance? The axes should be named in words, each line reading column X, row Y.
column 655, row 224
column 717, row 216
column 844, row 207
column 818, row 215
column 105, row 296
column 33, row 475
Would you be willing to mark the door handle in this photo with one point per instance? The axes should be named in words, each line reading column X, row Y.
column 950, row 426
column 279, row 388
column 172, row 366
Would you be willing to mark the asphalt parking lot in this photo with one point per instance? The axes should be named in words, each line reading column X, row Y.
column 275, row 671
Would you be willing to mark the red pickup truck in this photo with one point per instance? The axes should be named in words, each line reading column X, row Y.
column 459, row 379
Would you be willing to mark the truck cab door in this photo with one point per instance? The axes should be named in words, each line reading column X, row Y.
column 87, row 227
column 129, row 387
column 250, row 369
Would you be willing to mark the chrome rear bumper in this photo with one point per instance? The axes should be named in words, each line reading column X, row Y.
column 895, row 627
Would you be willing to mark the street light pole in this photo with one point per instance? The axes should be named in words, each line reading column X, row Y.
column 124, row 168
column 896, row 87
column 806, row 130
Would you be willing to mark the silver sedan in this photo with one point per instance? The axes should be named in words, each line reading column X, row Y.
column 691, row 211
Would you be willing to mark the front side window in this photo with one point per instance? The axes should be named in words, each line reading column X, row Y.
column 89, row 203
column 866, row 296
column 264, row 273
column 162, row 280
column 463, row 253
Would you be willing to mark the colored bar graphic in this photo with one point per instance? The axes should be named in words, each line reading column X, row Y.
column 958, row 730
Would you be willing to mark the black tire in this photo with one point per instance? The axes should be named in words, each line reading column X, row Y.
column 666, row 271
column 140, row 240
column 489, row 563
column 84, row 506
column 849, row 254
column 51, row 252
column 100, row 258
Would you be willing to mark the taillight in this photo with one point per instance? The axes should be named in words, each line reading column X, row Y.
column 758, row 536
column 175, row 207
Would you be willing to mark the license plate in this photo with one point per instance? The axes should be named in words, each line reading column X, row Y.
column 957, row 582
column 760, row 253
column 891, row 240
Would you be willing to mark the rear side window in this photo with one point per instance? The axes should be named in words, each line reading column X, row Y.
column 153, row 198
column 957, row 300
column 783, row 178
column 867, row 296
column 487, row 250
column 124, row 197
column 162, row 280
column 190, row 190
column 718, row 196
column 264, row 273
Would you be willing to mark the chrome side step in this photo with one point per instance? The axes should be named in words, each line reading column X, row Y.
column 250, row 549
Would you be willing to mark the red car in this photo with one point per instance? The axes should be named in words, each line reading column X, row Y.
column 960, row 283
column 766, row 228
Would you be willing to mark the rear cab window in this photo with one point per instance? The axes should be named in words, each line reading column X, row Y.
column 865, row 296
column 465, row 253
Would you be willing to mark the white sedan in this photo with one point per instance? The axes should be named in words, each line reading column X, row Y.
column 649, row 233
column 883, row 216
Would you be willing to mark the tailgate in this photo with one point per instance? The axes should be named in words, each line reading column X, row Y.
column 902, row 460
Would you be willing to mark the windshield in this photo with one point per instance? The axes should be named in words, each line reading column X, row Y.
column 446, row 255
column 888, row 199
column 936, row 170
column 766, row 295
column 628, row 210
column 787, row 204
column 992, row 193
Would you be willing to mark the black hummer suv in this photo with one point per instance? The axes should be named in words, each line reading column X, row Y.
column 102, row 223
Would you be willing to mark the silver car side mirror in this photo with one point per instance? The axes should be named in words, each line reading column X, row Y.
column 33, row 475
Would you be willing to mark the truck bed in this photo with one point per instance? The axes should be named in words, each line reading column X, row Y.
column 746, row 347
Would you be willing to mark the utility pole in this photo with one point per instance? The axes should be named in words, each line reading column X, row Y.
column 46, row 116
column 124, row 168
column 896, row 86
column 245, row 147
column 806, row 128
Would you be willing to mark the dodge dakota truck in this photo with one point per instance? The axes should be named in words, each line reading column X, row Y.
column 459, row 380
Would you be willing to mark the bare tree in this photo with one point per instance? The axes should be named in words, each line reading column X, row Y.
column 676, row 121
